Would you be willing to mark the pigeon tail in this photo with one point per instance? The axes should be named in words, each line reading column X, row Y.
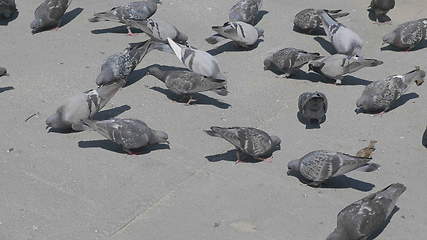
column 176, row 48
column 104, row 16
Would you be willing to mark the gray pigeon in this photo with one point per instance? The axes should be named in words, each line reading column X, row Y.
column 313, row 107
column 245, row 11
column 318, row 166
column 119, row 66
column 365, row 218
column 308, row 21
column 379, row 96
column 424, row 141
column 137, row 11
column 131, row 134
column 159, row 30
column 48, row 15
column 7, row 9
column 337, row 65
column 287, row 60
column 184, row 83
column 407, row 35
column 3, row 72
column 82, row 106
column 197, row 61
column 243, row 34
column 251, row 141
column 344, row 40
column 380, row 8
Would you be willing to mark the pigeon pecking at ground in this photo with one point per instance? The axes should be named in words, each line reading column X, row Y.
column 131, row 134
column 48, row 15
column 245, row 11
column 365, row 218
column 82, row 106
column 337, row 65
column 407, row 35
column 197, row 61
column 312, row 108
column 241, row 33
column 7, row 9
column 185, row 83
column 308, row 21
column 379, row 96
column 344, row 40
column 287, row 60
column 159, row 30
column 137, row 11
column 251, row 141
column 318, row 166
column 379, row 9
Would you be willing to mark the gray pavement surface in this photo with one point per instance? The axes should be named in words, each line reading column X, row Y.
column 79, row 186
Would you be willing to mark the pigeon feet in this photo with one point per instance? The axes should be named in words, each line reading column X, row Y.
column 190, row 100
column 237, row 157
column 130, row 33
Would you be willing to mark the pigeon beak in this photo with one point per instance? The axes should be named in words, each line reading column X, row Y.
column 288, row 172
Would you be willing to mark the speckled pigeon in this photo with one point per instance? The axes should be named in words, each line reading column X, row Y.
column 308, row 21
column 48, row 15
column 245, row 11
column 407, row 35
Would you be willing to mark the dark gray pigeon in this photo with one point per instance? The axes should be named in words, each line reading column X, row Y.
column 131, row 134
column 82, row 106
column 308, row 21
column 185, row 83
column 119, row 66
column 380, row 8
column 336, row 66
column 159, row 30
column 379, row 96
column 344, row 40
column 7, row 9
column 245, row 11
column 318, row 166
column 137, row 11
column 424, row 141
column 241, row 33
column 287, row 60
column 365, row 218
column 3, row 72
column 251, row 141
column 407, row 35
column 48, row 15
column 313, row 107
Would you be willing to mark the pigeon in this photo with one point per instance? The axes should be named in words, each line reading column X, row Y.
column 251, row 141
column 82, row 106
column 136, row 11
column 344, row 40
column 365, row 218
column 159, row 30
column 318, row 166
column 313, row 107
column 131, row 134
column 48, row 15
column 184, row 83
column 308, row 21
column 119, row 66
column 407, row 35
column 241, row 33
column 245, row 11
column 380, row 8
column 7, row 9
column 3, row 72
column 379, row 96
column 337, row 65
column 287, row 60
column 424, row 141
column 197, row 61
column 367, row 151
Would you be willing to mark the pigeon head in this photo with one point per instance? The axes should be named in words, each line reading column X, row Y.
column 362, row 104
column 36, row 25
column 275, row 140
column 293, row 166
column 268, row 62
column 260, row 32
column 3, row 71
column 337, row 235
column 105, row 76
column 159, row 137
column 55, row 121
column 389, row 38
column 315, row 102
column 156, row 72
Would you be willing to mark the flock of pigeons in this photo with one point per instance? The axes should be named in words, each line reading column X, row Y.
column 360, row 220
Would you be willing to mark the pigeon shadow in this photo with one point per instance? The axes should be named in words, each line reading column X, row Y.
column 232, row 47
column 309, row 124
column 113, row 147
column 402, row 100
column 319, row 31
column 200, row 99
column 387, row 221
column 326, row 45
column 5, row 22
column 352, row 81
column 315, row 77
column 111, row 113
column 70, row 16
column 260, row 16
column 4, row 89
column 135, row 76
column 424, row 140
column 421, row 45
column 231, row 156
column 118, row 29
